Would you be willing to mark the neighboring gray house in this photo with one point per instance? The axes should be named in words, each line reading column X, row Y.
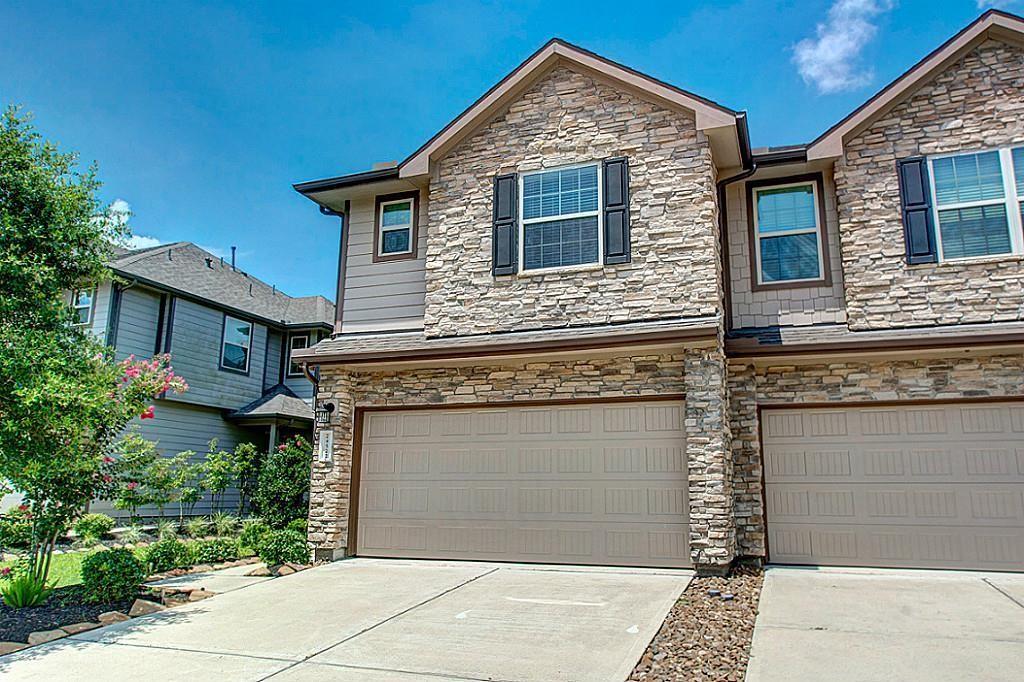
column 229, row 335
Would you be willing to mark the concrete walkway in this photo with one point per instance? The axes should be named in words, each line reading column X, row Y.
column 865, row 624
column 223, row 580
column 376, row 621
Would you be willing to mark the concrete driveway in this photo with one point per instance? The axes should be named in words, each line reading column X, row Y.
column 376, row 620
column 862, row 624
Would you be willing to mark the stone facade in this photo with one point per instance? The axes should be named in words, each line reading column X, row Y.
column 843, row 382
column 975, row 104
column 568, row 118
column 697, row 372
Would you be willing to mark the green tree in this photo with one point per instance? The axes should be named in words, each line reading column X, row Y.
column 63, row 400
column 221, row 473
column 281, row 495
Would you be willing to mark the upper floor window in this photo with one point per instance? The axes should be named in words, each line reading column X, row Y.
column 561, row 218
column 296, row 342
column 237, row 340
column 787, row 230
column 81, row 306
column 395, row 229
column 977, row 199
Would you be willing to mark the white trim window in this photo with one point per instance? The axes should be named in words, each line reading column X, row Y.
column 395, row 230
column 82, row 306
column 235, row 344
column 976, row 203
column 296, row 342
column 560, row 218
column 787, row 233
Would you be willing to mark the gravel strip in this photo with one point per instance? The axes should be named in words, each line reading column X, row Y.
column 706, row 637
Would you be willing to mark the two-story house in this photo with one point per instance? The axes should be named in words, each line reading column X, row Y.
column 230, row 335
column 586, row 323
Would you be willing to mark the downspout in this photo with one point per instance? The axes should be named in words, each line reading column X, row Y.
column 339, row 298
column 749, row 168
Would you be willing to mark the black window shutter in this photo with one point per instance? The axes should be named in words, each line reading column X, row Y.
column 916, row 203
column 616, row 211
column 503, row 238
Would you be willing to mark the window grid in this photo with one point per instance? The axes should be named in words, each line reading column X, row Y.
column 773, row 234
column 992, row 216
column 560, row 240
column 81, row 302
column 396, row 237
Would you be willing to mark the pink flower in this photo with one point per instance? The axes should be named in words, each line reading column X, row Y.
column 107, row 459
column 132, row 485
column 5, row 571
column 147, row 413
column 132, row 372
column 107, row 478
column 282, row 447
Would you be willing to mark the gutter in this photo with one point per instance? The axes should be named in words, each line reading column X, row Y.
column 342, row 181
column 749, row 168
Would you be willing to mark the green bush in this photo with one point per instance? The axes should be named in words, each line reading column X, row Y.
column 297, row 525
column 283, row 546
column 166, row 554
column 93, row 526
column 16, row 528
column 214, row 551
column 197, row 527
column 112, row 575
column 284, row 483
column 166, row 529
column 252, row 531
column 24, row 589
column 225, row 524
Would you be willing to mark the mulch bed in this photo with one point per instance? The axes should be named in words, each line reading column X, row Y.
column 65, row 606
column 705, row 637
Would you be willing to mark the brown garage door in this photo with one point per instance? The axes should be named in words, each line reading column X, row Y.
column 930, row 486
column 587, row 484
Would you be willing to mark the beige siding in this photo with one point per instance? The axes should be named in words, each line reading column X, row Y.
column 781, row 307
column 382, row 296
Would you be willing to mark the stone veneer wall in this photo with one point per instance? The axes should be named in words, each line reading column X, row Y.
column 838, row 382
column 568, row 118
column 698, row 373
column 974, row 104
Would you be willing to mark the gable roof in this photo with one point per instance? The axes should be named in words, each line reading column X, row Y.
column 186, row 269
column 992, row 23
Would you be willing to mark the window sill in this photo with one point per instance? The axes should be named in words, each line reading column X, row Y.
column 979, row 260
column 567, row 270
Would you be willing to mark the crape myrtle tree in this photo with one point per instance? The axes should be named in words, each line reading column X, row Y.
column 64, row 401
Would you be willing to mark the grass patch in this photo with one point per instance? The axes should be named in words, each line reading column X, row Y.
column 65, row 569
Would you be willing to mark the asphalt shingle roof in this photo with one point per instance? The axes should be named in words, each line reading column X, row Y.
column 186, row 268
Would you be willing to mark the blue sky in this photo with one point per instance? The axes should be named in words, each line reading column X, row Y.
column 202, row 115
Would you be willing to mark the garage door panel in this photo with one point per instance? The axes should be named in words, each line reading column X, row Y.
column 600, row 483
column 938, row 486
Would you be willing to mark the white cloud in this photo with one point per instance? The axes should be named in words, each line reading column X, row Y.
column 995, row 4
column 138, row 241
column 830, row 60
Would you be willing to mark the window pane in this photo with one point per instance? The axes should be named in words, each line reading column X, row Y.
column 397, row 214
column 396, row 241
column 560, row 192
column 83, row 298
column 1018, row 169
column 296, row 343
column 971, row 177
column 786, row 208
column 237, row 332
column 789, row 257
column 234, row 356
column 974, row 231
column 559, row 243
column 82, row 315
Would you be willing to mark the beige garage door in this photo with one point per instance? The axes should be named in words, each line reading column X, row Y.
column 587, row 484
column 931, row 486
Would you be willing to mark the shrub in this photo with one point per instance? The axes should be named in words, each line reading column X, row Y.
column 24, row 589
column 166, row 529
column 214, row 551
column 252, row 531
column 196, row 527
column 283, row 546
column 131, row 535
column 164, row 555
column 284, row 483
column 16, row 528
column 297, row 525
column 112, row 575
column 225, row 524
column 93, row 526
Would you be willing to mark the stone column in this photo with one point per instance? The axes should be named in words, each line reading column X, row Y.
column 746, row 460
column 331, row 482
column 712, row 526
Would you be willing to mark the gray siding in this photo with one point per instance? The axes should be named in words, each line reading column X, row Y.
column 101, row 312
column 178, row 427
column 195, row 354
column 300, row 384
column 137, row 321
column 382, row 296
column 272, row 373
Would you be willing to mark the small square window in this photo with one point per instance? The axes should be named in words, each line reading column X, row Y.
column 81, row 307
column 296, row 342
column 396, row 223
column 235, row 344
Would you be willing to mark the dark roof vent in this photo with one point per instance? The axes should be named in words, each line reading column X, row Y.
column 209, row 263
